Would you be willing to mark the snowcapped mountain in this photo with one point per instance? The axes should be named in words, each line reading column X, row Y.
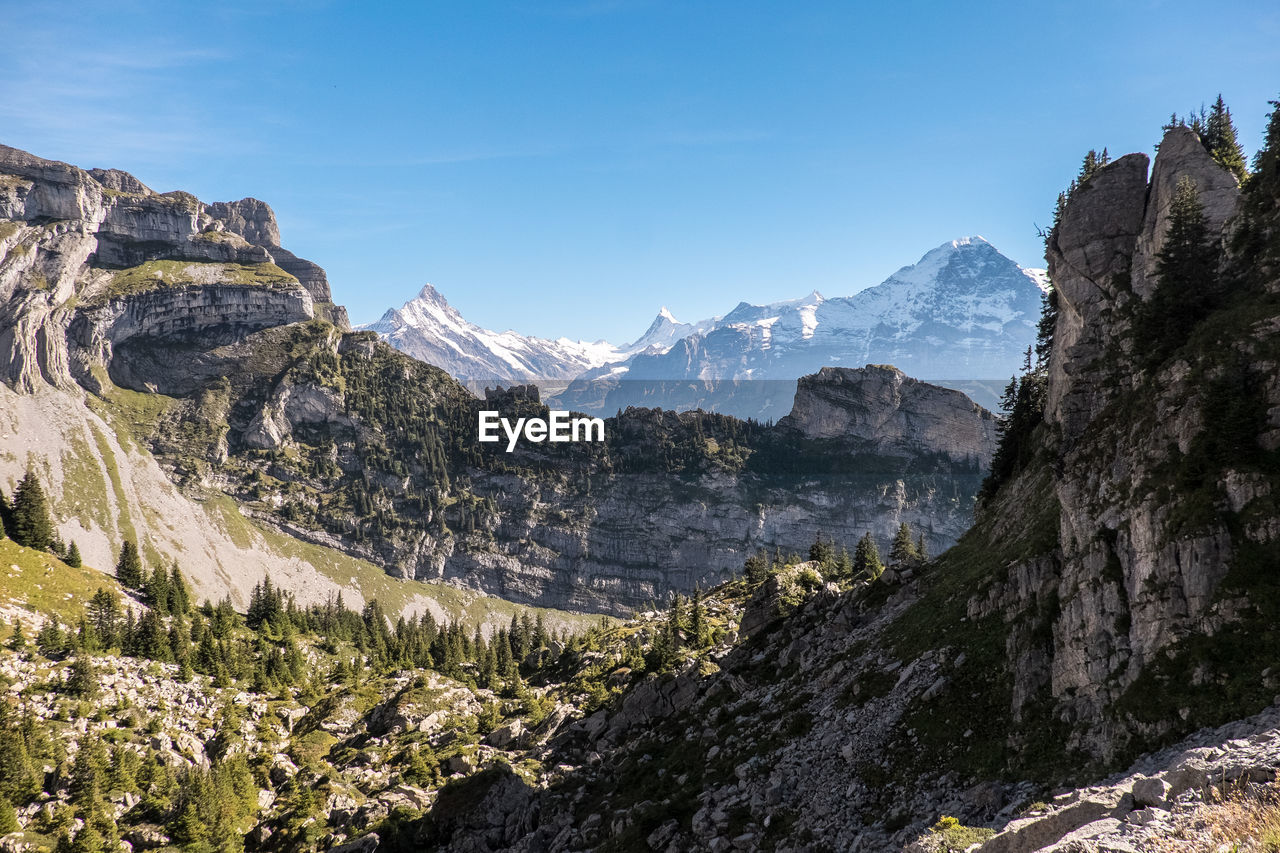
column 962, row 312
column 962, row 316
column 430, row 329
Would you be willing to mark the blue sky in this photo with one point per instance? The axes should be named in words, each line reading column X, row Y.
column 567, row 167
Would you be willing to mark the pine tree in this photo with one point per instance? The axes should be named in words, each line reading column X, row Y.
column 104, row 616
column 87, row 840
column 756, row 569
column 866, row 558
column 844, row 568
column 129, row 566
column 50, row 640
column 156, row 590
column 1262, row 195
column 676, row 620
column 699, row 630
column 31, row 526
column 822, row 552
column 179, row 600
column 1046, row 325
column 82, row 680
column 1220, row 140
column 1186, row 272
column 17, row 640
column 73, row 555
column 18, row 783
column 903, row 549
column 8, row 817
column 152, row 639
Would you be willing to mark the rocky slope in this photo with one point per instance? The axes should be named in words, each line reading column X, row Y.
column 214, row 361
column 963, row 312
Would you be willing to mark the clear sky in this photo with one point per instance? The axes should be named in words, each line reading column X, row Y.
column 566, row 167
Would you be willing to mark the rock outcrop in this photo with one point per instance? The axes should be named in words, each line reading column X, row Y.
column 74, row 233
column 881, row 409
column 1153, row 514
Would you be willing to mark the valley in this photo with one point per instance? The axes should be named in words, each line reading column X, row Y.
column 887, row 620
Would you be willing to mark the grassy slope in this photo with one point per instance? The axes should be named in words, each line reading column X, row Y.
column 43, row 583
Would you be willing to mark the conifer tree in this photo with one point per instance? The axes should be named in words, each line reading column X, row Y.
column 822, row 552
column 903, row 549
column 73, row 555
column 1220, row 140
column 1186, row 272
column 1263, row 192
column 152, row 639
column 31, row 525
column 156, row 589
column 844, row 567
column 82, row 680
column 50, row 640
column 8, row 817
column 129, row 566
column 18, row 783
column 756, row 569
column 676, row 620
column 1046, row 325
column 104, row 616
column 17, row 640
column 699, row 630
column 866, row 558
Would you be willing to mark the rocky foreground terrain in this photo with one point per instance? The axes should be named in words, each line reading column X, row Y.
column 788, row 730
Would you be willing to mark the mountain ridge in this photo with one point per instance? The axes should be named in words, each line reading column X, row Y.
column 895, row 322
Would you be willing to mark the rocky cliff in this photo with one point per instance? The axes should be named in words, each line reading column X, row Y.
column 219, row 357
column 1140, row 592
column 104, row 252
column 884, row 411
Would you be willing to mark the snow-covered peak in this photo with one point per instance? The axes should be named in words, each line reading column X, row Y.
column 1040, row 277
column 963, row 258
column 430, row 294
column 664, row 331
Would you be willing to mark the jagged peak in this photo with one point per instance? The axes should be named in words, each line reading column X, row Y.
column 428, row 293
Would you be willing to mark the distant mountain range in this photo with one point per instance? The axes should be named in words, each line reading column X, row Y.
column 962, row 316
column 428, row 328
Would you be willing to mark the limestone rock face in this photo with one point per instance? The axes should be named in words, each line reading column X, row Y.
column 1181, row 154
column 1089, row 259
column 885, row 411
column 253, row 219
column 63, row 230
column 1131, row 575
column 121, row 182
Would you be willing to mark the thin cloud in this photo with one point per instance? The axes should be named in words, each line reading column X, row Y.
column 108, row 106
